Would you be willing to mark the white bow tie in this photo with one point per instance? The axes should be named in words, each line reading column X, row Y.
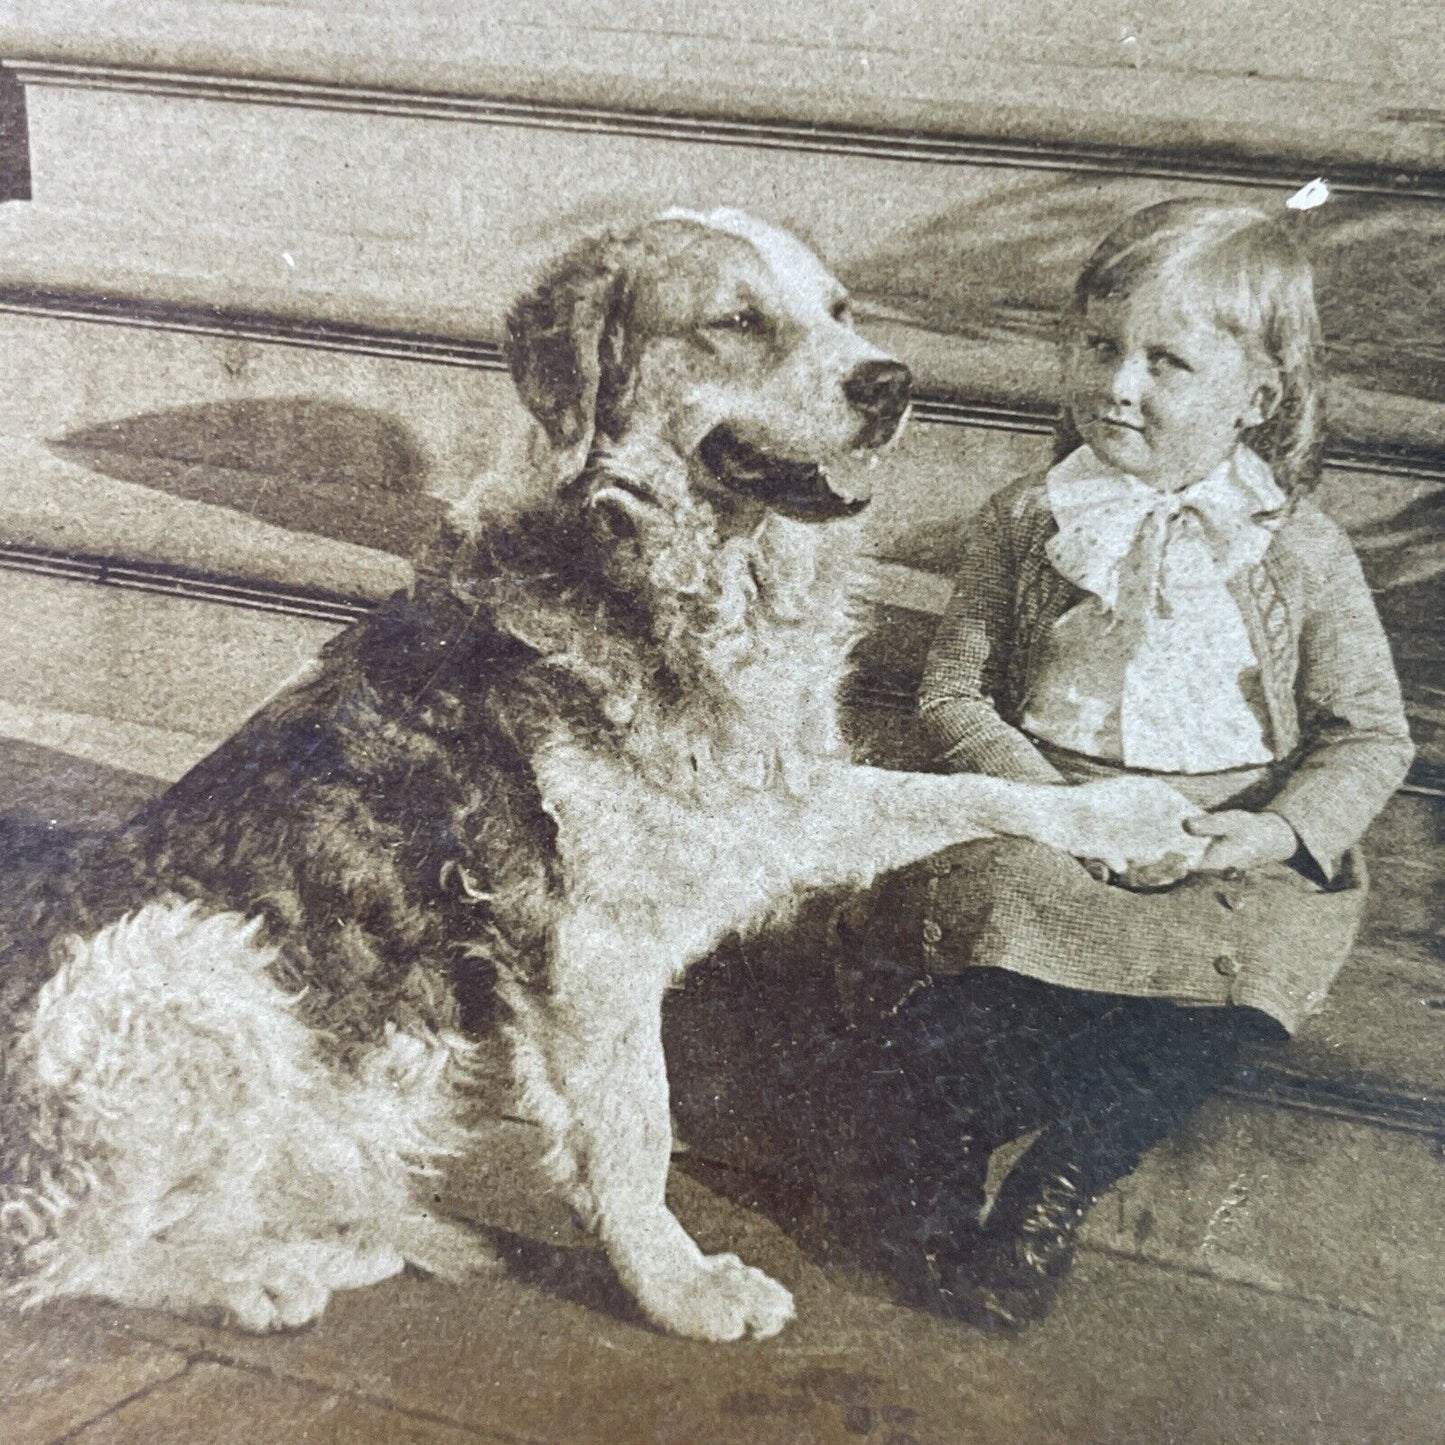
column 1132, row 545
column 1148, row 668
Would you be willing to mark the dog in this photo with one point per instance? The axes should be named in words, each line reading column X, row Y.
column 597, row 735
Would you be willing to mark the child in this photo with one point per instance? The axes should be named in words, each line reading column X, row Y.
column 1164, row 600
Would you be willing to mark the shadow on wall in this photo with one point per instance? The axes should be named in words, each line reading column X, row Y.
column 305, row 463
column 14, row 141
column 1404, row 559
column 47, row 790
column 1003, row 269
column 356, row 475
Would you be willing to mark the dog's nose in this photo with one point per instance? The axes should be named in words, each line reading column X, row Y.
column 879, row 389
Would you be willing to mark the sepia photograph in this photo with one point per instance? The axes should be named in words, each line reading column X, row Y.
column 722, row 724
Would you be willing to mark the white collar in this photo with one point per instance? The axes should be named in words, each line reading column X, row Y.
column 1101, row 513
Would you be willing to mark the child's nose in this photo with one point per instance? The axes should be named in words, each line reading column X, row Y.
column 1130, row 379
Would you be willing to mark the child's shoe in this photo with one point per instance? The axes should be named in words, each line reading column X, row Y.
column 1012, row 1276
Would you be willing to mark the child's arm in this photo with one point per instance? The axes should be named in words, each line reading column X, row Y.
column 965, row 668
column 1356, row 745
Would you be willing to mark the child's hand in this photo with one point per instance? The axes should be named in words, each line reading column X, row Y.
column 1128, row 823
column 1243, row 840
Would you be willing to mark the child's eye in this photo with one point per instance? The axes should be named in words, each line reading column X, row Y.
column 1101, row 346
column 1162, row 360
column 748, row 321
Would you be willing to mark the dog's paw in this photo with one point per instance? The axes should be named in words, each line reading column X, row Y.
column 1130, row 823
column 287, row 1286
column 276, row 1304
column 1165, row 873
column 719, row 1299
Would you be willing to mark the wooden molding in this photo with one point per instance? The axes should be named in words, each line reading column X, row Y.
column 934, row 408
column 172, row 580
column 1219, row 164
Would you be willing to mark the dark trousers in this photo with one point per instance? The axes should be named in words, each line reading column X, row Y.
column 979, row 1058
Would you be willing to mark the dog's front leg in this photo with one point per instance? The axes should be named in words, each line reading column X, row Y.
column 862, row 821
column 592, row 1049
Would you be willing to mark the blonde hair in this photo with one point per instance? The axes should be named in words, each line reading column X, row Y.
column 1249, row 269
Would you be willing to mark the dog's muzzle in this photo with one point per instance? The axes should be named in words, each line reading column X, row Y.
column 805, row 491
column 800, row 490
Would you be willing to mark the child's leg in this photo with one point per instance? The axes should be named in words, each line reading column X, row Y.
column 1153, row 1066
column 910, row 1150
column 961, row 1065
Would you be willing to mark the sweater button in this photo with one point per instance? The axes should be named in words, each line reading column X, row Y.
column 932, row 933
column 1226, row 963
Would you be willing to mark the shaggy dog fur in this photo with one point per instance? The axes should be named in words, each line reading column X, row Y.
column 595, row 737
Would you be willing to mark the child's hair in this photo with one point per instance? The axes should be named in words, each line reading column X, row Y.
column 1245, row 265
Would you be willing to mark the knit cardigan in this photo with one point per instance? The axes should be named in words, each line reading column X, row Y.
column 1326, row 677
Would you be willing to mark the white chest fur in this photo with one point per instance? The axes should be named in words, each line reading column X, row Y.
column 676, row 870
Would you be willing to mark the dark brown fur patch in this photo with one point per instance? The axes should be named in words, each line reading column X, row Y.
column 381, row 819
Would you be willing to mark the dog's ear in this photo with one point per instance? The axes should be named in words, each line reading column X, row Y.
column 565, row 344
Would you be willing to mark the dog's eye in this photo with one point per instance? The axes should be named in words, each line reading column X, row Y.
column 747, row 322
column 842, row 311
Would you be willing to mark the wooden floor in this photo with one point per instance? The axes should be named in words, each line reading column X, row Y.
column 1276, row 1276
column 546, row 1349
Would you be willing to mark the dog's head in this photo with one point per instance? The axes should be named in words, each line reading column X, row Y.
column 718, row 341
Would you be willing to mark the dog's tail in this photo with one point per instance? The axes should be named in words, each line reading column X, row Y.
column 168, row 1116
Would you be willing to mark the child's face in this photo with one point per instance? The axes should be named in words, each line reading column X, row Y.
column 1161, row 391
